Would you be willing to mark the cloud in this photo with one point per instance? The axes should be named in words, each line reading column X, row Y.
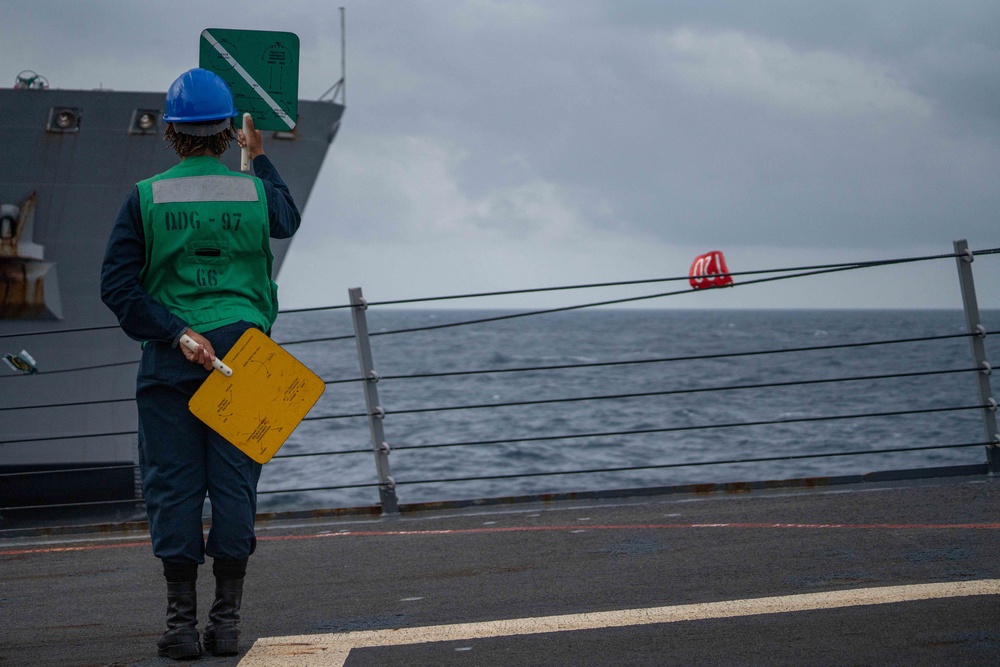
column 489, row 144
column 772, row 73
column 407, row 188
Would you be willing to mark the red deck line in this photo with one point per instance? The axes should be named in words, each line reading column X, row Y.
column 646, row 526
column 560, row 528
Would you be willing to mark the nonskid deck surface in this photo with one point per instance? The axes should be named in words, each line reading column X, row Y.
column 892, row 573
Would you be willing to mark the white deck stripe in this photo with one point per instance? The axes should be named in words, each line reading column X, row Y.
column 331, row 650
column 278, row 111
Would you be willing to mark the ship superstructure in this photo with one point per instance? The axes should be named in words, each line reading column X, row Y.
column 69, row 157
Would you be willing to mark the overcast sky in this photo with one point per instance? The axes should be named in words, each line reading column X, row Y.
column 503, row 145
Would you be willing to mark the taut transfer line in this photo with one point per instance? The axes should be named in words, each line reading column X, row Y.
column 275, row 107
column 331, row 650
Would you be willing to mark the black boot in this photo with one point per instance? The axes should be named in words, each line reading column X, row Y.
column 222, row 633
column 180, row 641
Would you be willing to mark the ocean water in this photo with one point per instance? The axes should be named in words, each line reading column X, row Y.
column 593, row 336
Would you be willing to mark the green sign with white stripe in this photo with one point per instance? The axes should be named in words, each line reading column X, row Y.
column 261, row 68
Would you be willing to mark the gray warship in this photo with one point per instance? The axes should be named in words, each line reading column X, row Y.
column 69, row 159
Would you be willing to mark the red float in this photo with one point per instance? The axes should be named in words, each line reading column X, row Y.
column 710, row 270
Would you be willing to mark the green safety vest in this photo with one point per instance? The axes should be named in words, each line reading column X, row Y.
column 208, row 254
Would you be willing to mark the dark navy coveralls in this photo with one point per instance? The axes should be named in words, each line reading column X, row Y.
column 181, row 459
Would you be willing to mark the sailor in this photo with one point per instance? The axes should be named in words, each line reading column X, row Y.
column 189, row 253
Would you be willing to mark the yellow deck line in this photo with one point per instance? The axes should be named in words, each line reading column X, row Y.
column 331, row 650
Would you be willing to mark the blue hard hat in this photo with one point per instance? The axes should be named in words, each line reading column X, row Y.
column 199, row 95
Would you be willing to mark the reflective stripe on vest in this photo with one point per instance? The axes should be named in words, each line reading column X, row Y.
column 203, row 188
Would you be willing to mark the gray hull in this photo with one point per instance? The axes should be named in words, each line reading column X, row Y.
column 66, row 186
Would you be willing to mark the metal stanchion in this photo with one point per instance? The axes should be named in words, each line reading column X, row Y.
column 387, row 486
column 964, row 260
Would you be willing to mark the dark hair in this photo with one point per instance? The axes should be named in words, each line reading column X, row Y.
column 186, row 145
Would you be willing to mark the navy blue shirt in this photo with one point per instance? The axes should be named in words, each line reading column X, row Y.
column 140, row 315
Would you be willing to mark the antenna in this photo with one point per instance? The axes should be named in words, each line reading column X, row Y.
column 343, row 58
column 340, row 88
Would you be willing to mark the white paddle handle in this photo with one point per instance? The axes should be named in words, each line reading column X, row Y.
column 189, row 343
column 245, row 155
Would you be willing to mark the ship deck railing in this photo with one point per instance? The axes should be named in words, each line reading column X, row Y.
column 385, row 432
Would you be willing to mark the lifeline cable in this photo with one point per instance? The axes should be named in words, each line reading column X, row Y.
column 807, row 272
column 90, row 503
column 134, row 466
column 697, row 357
column 762, row 459
column 75, row 369
column 818, row 268
column 595, row 364
column 62, row 471
column 697, row 427
column 68, row 437
column 693, row 464
column 130, row 399
column 621, row 283
column 648, row 394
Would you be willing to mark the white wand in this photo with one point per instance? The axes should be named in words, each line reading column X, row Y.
column 189, row 343
column 245, row 155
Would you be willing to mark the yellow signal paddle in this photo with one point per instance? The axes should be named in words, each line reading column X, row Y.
column 261, row 400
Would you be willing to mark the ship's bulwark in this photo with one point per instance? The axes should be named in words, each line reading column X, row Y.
column 78, row 176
